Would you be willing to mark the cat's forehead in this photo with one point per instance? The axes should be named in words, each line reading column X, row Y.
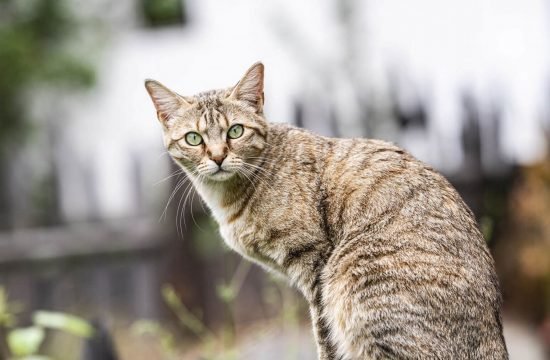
column 211, row 98
column 207, row 115
column 212, row 122
column 211, row 113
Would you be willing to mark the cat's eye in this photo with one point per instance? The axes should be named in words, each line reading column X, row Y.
column 193, row 139
column 235, row 131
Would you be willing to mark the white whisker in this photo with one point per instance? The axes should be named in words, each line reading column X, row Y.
column 175, row 173
column 176, row 188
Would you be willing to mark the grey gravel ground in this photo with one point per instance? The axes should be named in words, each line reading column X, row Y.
column 297, row 344
column 287, row 344
column 523, row 342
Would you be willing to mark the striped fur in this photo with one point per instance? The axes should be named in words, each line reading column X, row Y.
column 383, row 248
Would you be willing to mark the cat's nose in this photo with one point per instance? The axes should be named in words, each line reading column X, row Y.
column 218, row 159
column 217, row 153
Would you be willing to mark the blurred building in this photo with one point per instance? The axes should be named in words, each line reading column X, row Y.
column 352, row 69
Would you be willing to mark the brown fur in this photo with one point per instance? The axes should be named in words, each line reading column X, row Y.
column 383, row 248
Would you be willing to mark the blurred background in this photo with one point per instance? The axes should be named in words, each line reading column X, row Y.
column 107, row 253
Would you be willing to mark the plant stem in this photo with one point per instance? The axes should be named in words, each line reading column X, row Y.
column 4, row 349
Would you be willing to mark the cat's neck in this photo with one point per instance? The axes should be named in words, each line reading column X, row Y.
column 223, row 197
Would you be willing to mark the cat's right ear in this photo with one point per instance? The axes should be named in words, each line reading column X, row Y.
column 167, row 102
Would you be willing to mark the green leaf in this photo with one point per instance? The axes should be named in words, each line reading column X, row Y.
column 226, row 293
column 153, row 328
column 25, row 341
column 64, row 322
column 186, row 317
column 8, row 309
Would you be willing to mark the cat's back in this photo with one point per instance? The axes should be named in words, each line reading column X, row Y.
column 374, row 186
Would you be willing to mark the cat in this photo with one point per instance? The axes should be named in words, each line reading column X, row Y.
column 382, row 247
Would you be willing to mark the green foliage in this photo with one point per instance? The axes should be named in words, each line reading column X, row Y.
column 33, row 51
column 67, row 323
column 7, row 310
column 163, row 12
column 222, row 344
column 186, row 317
column 226, row 292
column 153, row 328
column 210, row 341
column 24, row 343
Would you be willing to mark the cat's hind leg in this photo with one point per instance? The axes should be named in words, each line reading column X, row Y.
column 325, row 347
column 371, row 308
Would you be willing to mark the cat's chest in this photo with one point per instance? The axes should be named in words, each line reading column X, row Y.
column 259, row 228
column 249, row 237
column 239, row 233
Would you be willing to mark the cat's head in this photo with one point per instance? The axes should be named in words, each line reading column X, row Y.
column 218, row 134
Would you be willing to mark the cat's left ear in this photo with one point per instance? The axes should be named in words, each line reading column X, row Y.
column 250, row 89
column 168, row 103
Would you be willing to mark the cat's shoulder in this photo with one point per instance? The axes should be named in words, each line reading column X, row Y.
column 287, row 132
column 285, row 129
column 366, row 146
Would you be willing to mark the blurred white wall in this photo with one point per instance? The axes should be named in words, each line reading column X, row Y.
column 497, row 50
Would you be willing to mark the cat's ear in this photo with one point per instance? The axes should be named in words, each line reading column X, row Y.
column 167, row 102
column 250, row 89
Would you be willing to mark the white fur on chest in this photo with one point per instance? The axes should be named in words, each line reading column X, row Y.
column 239, row 233
column 230, row 232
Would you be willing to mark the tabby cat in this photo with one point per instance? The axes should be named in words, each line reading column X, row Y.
column 382, row 247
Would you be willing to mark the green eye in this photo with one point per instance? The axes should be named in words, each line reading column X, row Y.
column 193, row 138
column 235, row 131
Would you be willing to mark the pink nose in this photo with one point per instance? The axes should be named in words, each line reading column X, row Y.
column 217, row 154
column 218, row 159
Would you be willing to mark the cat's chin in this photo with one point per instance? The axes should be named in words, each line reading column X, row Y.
column 221, row 175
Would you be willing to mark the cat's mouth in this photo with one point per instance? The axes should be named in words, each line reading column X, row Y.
column 221, row 174
column 220, row 170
